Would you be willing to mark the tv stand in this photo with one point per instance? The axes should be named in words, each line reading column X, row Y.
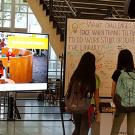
column 13, row 111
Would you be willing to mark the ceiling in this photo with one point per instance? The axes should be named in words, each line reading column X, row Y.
column 59, row 10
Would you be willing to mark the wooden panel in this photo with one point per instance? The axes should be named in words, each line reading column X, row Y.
column 20, row 68
column 4, row 61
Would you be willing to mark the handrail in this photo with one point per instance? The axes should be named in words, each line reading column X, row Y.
column 72, row 9
column 56, row 10
column 115, row 11
column 111, row 12
column 59, row 6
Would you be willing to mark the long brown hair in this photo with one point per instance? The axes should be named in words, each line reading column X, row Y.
column 84, row 74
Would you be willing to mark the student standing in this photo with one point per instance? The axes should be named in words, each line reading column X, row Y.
column 125, row 62
column 85, row 76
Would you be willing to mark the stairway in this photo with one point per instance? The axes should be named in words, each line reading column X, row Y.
column 52, row 15
column 47, row 26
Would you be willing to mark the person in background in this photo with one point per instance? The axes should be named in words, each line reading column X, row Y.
column 2, row 43
column 1, row 69
column 125, row 62
column 10, row 53
column 37, row 52
column 86, row 76
column 57, row 88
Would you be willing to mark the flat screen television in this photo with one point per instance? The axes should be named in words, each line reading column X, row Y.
column 24, row 66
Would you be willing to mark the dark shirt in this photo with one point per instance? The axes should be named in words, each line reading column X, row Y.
column 116, row 75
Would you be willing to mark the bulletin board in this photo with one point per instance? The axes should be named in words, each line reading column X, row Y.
column 104, row 38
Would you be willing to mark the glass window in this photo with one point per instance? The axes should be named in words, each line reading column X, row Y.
column 20, row 20
column 7, row 1
column 23, row 8
column 0, row 23
column 0, row 4
column 16, row 8
column 17, row 1
column 7, row 7
column 1, row 15
column 29, row 10
column 23, row 1
column 6, row 15
column 6, row 23
column 33, row 25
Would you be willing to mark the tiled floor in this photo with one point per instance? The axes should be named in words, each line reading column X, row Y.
column 43, row 118
column 34, row 128
column 37, row 118
column 50, row 124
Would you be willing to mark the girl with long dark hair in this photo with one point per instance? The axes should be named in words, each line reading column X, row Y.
column 89, row 83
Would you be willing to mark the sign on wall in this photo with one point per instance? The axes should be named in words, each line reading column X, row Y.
column 104, row 38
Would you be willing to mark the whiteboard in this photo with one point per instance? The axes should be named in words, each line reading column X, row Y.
column 104, row 38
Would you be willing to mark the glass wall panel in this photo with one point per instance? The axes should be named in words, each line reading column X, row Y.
column 16, row 8
column 23, row 1
column 1, row 15
column 7, row 1
column 0, row 4
column 16, row 1
column 6, row 23
column 23, row 8
column 0, row 23
column 6, row 15
column 29, row 10
column 20, row 20
column 33, row 25
column 7, row 7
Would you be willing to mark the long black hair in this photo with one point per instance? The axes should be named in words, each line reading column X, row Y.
column 125, row 60
column 85, row 74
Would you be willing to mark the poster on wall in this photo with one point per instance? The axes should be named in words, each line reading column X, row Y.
column 104, row 38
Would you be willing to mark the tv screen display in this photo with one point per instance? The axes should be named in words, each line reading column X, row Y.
column 25, row 57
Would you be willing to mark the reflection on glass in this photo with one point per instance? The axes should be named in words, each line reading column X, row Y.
column 23, row 8
column 7, row 15
column 6, row 23
column 20, row 20
column 7, row 7
column 7, row 1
